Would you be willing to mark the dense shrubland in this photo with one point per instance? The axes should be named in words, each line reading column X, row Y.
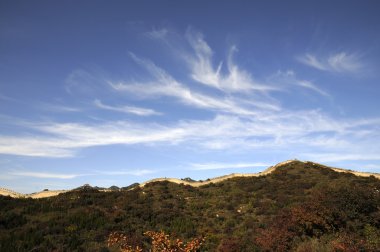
column 299, row 207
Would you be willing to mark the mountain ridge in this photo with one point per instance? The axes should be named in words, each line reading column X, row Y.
column 52, row 193
column 294, row 206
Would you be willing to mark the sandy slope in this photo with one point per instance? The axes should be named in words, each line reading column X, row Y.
column 7, row 192
column 44, row 194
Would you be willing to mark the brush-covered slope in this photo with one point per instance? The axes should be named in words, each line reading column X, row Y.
column 298, row 206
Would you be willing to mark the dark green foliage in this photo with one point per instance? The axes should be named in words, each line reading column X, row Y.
column 9, row 220
column 299, row 207
column 130, row 186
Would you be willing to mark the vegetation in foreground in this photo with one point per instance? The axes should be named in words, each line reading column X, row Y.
column 298, row 207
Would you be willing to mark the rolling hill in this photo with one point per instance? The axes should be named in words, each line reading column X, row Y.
column 51, row 193
column 292, row 206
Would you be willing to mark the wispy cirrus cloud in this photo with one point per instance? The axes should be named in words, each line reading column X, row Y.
column 217, row 166
column 85, row 83
column 342, row 156
column 58, row 108
column 164, row 84
column 289, row 78
column 309, row 130
column 35, row 146
column 140, row 172
column 186, row 96
column 127, row 109
column 339, row 62
column 45, row 175
column 65, row 139
column 242, row 114
column 66, row 176
column 157, row 33
column 203, row 70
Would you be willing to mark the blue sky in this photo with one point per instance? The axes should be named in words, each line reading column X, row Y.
column 116, row 92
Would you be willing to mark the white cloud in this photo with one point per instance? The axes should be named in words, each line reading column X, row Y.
column 59, row 108
column 157, row 33
column 272, row 131
column 343, row 62
column 203, row 71
column 45, row 175
column 289, row 78
column 242, row 114
column 312, row 61
column 165, row 85
column 343, row 156
column 127, row 109
column 64, row 139
column 38, row 146
column 339, row 62
column 311, row 86
column 141, row 172
column 86, row 83
column 185, row 96
column 217, row 166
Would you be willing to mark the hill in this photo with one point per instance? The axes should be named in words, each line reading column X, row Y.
column 293, row 206
column 186, row 181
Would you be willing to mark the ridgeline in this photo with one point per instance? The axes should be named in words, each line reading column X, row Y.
column 292, row 206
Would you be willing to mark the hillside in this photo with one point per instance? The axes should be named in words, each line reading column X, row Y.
column 44, row 194
column 293, row 206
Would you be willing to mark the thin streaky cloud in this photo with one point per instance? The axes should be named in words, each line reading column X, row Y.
column 312, row 86
column 289, row 78
column 203, row 71
column 312, row 61
column 165, row 85
column 127, row 109
column 58, row 108
column 310, row 129
column 185, row 96
column 157, row 33
column 85, row 83
column 217, row 166
column 268, row 104
column 37, row 146
column 342, row 62
column 141, row 172
column 260, row 122
column 338, row 157
column 46, row 175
